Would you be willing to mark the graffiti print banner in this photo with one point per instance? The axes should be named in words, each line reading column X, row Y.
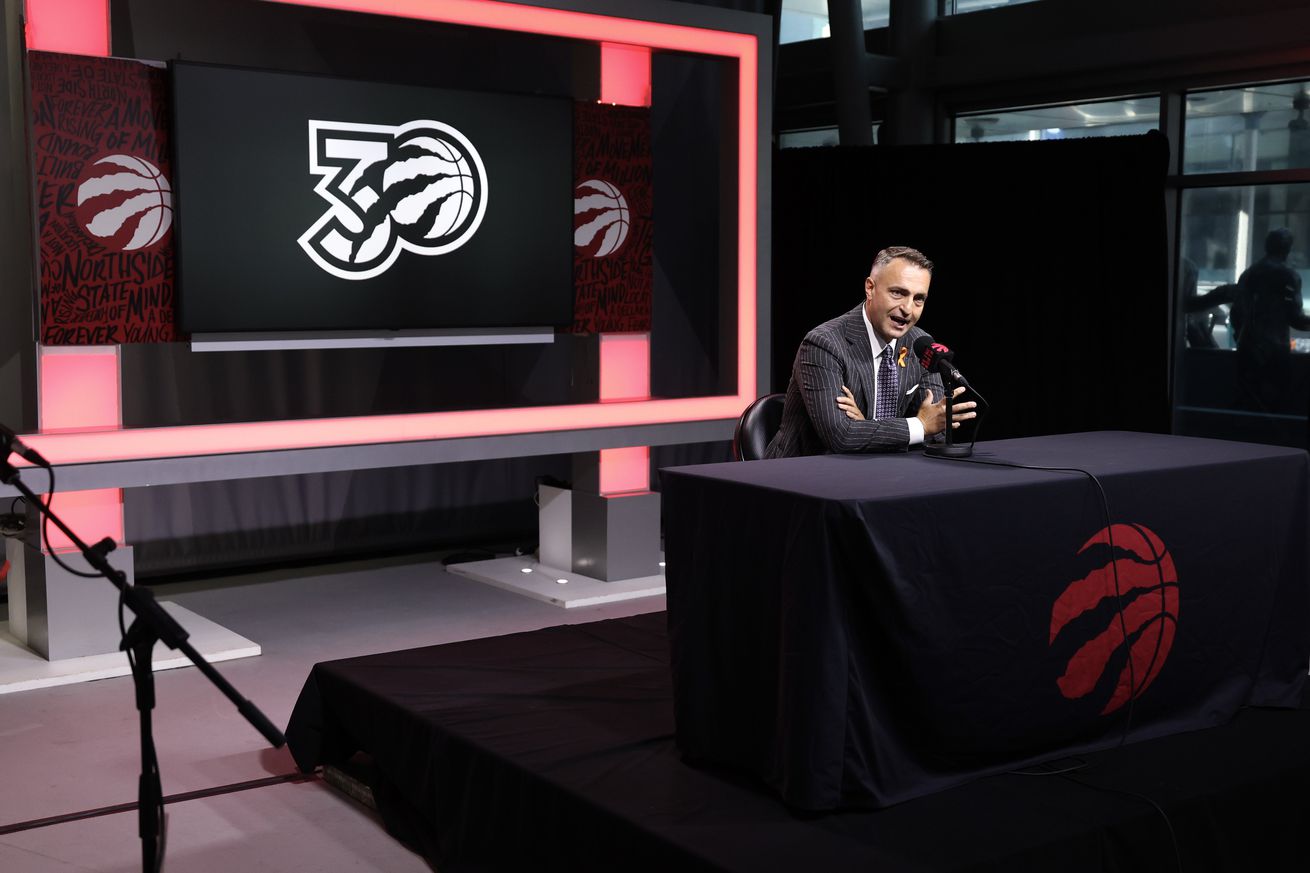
column 613, row 235
column 100, row 154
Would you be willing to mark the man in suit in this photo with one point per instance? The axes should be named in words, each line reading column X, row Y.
column 862, row 362
column 1266, row 306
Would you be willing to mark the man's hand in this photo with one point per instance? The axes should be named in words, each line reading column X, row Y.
column 932, row 414
column 846, row 403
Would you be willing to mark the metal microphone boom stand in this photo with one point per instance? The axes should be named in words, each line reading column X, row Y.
column 152, row 624
column 949, row 449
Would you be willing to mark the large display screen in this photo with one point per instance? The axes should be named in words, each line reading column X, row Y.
column 314, row 203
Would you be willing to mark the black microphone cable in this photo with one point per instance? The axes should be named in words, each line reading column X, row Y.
column 1119, row 606
column 925, row 348
column 45, row 520
column 1114, row 566
column 1123, row 627
column 986, row 407
column 11, row 523
column 1173, row 836
column 150, row 760
column 45, row 529
column 13, row 445
column 977, row 427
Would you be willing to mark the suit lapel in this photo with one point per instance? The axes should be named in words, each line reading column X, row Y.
column 862, row 355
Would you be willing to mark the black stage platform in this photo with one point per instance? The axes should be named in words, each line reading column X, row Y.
column 553, row 750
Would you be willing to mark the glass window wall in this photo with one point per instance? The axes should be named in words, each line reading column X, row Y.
column 815, row 136
column 1102, row 118
column 808, row 19
column 960, row 7
column 1262, row 127
column 1226, row 233
column 1243, row 266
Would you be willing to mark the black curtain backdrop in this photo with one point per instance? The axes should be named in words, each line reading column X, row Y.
column 1051, row 279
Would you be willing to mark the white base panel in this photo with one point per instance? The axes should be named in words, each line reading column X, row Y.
column 542, row 583
column 22, row 669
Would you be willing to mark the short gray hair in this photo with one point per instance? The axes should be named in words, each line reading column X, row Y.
column 891, row 253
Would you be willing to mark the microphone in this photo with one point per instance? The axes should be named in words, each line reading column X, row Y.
column 10, row 442
column 937, row 358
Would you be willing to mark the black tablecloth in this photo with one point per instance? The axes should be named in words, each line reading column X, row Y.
column 865, row 629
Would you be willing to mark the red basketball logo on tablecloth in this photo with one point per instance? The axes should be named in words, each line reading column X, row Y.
column 1148, row 594
column 124, row 202
column 600, row 218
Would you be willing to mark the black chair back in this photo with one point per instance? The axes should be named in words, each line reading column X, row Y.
column 756, row 427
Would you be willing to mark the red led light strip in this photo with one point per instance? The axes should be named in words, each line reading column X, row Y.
column 79, row 27
column 79, row 388
column 263, row 436
column 624, row 358
column 212, row 439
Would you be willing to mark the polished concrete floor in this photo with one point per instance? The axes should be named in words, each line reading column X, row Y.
column 75, row 748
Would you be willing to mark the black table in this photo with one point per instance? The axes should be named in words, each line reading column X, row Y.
column 860, row 630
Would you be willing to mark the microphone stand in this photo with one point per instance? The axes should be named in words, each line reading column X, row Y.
column 949, row 449
column 152, row 624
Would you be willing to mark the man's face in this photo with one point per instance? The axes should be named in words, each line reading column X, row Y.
column 894, row 297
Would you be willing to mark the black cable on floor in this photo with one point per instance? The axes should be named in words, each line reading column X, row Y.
column 232, row 788
column 1173, row 837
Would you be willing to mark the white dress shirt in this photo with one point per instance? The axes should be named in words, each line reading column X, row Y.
column 876, row 344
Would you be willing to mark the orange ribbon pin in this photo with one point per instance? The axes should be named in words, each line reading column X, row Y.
column 900, row 358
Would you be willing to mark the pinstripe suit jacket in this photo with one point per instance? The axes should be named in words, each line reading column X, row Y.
column 834, row 354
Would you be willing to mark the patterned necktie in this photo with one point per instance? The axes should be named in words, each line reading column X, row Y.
column 885, row 404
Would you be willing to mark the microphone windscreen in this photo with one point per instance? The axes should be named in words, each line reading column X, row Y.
column 922, row 344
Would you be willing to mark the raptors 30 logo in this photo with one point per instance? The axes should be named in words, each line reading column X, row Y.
column 420, row 187
column 1148, row 592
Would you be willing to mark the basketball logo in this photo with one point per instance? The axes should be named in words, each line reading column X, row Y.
column 124, row 202
column 1148, row 592
column 442, row 184
column 418, row 187
column 600, row 218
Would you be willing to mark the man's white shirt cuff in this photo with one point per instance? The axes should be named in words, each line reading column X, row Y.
column 916, row 431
